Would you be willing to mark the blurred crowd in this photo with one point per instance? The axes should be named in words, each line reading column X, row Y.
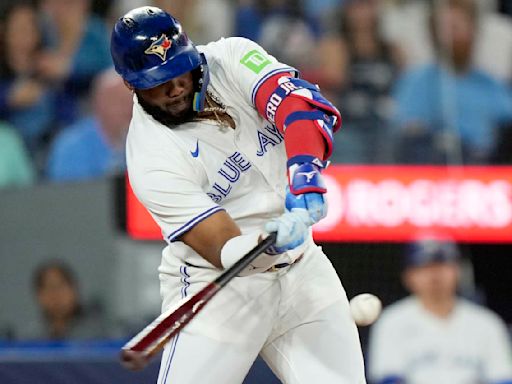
column 416, row 81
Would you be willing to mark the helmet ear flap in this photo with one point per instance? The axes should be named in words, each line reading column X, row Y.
column 201, row 79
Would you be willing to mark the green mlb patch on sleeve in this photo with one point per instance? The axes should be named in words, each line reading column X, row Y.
column 255, row 61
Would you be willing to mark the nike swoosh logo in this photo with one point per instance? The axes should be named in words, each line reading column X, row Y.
column 196, row 152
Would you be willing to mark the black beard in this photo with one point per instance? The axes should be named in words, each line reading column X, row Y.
column 165, row 118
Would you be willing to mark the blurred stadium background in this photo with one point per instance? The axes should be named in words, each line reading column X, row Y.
column 402, row 163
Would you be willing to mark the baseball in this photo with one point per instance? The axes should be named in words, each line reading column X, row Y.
column 365, row 308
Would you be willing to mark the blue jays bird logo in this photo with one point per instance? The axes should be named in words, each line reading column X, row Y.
column 159, row 47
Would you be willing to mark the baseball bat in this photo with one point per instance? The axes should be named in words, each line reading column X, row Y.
column 137, row 352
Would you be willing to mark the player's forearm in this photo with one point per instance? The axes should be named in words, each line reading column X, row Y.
column 209, row 236
column 298, row 138
column 308, row 120
column 298, row 118
column 219, row 240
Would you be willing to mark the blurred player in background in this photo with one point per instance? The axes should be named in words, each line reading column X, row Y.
column 214, row 133
column 434, row 336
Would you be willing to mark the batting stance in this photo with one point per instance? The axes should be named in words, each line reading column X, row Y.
column 225, row 145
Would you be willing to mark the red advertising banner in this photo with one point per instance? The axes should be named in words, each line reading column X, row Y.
column 399, row 203
column 139, row 223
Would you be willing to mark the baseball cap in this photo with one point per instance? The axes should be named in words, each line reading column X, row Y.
column 423, row 252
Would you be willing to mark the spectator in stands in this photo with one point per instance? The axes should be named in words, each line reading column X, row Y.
column 15, row 165
column 359, row 69
column 289, row 34
column 322, row 10
column 94, row 146
column 449, row 111
column 282, row 28
column 405, row 23
column 77, row 50
column 248, row 19
column 210, row 20
column 63, row 316
column 434, row 336
column 26, row 102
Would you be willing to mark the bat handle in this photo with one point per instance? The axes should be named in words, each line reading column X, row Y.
column 134, row 360
column 137, row 353
column 240, row 265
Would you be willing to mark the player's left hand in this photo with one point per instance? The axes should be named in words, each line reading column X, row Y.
column 292, row 229
column 306, row 187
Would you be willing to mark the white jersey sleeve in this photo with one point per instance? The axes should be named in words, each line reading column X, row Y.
column 176, row 202
column 164, row 179
column 245, row 64
column 498, row 353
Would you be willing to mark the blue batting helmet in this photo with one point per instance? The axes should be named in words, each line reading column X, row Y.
column 423, row 252
column 149, row 48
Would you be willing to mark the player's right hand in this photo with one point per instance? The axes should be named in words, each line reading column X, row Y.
column 292, row 228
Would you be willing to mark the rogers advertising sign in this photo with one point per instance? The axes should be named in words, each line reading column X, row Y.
column 398, row 203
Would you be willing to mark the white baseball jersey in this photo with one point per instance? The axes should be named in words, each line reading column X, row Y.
column 470, row 346
column 187, row 173
column 298, row 317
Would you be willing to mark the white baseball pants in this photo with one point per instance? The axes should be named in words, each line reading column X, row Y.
column 297, row 319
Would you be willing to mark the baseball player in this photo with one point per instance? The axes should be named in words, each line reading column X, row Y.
column 433, row 336
column 226, row 145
